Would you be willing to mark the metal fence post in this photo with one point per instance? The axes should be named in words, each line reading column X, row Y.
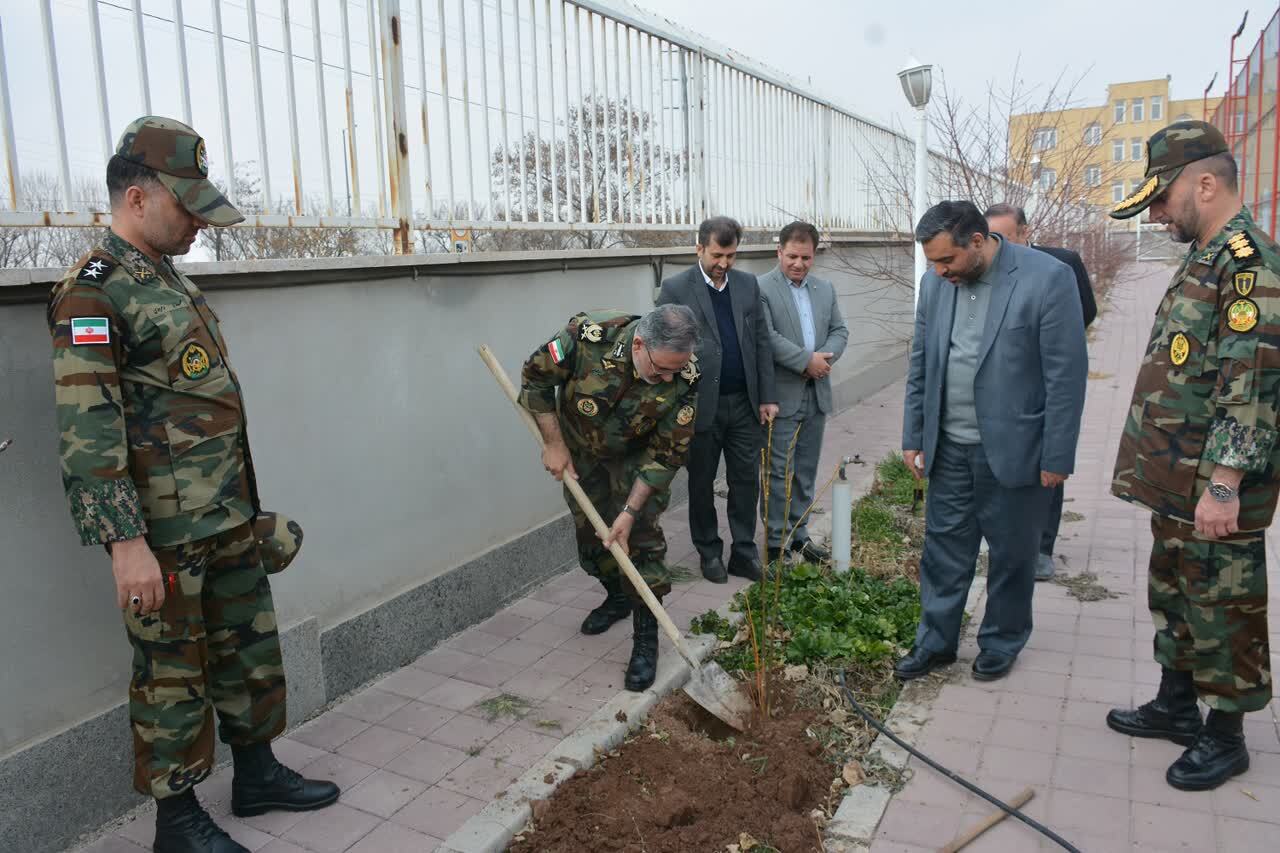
column 693, row 71
column 397, row 135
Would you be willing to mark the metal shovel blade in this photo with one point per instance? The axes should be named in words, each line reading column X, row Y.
column 717, row 691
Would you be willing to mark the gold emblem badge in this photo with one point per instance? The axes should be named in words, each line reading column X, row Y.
column 202, row 158
column 1242, row 315
column 1241, row 246
column 195, row 362
column 1244, row 282
column 1179, row 349
column 690, row 372
column 1140, row 196
column 592, row 333
column 588, row 407
column 685, row 415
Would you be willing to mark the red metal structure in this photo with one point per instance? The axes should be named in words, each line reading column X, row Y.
column 1247, row 118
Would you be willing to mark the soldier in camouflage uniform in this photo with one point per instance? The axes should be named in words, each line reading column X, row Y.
column 614, row 395
column 156, row 466
column 1199, row 450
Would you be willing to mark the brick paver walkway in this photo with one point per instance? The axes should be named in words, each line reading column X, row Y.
column 1043, row 725
column 416, row 757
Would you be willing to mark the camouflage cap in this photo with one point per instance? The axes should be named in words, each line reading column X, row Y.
column 279, row 538
column 177, row 154
column 1168, row 152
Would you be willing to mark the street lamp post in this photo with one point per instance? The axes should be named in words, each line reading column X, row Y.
column 917, row 81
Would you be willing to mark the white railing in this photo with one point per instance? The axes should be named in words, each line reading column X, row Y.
column 564, row 114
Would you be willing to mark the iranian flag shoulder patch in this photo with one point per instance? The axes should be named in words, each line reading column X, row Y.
column 557, row 350
column 90, row 330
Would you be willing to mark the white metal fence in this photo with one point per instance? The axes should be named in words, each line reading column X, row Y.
column 532, row 114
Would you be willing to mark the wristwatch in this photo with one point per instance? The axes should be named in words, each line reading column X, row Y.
column 1222, row 493
column 634, row 513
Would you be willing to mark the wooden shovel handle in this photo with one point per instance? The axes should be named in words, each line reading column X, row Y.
column 596, row 521
column 991, row 820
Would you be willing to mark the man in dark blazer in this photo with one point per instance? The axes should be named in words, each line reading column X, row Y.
column 807, row 335
column 995, row 391
column 1010, row 222
column 735, row 396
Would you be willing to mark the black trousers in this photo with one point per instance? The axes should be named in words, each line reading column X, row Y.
column 736, row 435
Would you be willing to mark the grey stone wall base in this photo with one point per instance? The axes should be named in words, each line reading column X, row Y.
column 853, row 826
column 493, row 827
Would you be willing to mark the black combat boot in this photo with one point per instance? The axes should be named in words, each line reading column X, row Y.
column 183, row 826
column 617, row 605
column 1173, row 714
column 262, row 784
column 1218, row 754
column 643, row 666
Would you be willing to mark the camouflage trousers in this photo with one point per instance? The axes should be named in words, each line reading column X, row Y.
column 608, row 484
column 1208, row 599
column 211, row 646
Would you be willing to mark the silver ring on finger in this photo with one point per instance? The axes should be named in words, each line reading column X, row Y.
column 136, row 601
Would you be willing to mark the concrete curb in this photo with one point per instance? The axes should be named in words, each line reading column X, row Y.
column 853, row 827
column 496, row 824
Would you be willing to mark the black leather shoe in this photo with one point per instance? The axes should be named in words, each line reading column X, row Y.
column 642, row 669
column 992, row 665
column 617, row 605
column 920, row 662
column 772, row 555
column 262, row 784
column 745, row 567
column 1217, row 754
column 713, row 570
column 1173, row 714
column 183, row 826
column 811, row 552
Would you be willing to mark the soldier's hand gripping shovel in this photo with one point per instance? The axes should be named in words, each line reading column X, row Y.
column 709, row 685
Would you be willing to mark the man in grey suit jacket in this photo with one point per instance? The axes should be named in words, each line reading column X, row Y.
column 994, row 396
column 808, row 335
column 735, row 396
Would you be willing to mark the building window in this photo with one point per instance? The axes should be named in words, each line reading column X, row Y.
column 1093, row 134
column 1048, row 177
column 1136, row 109
column 1117, row 192
column 1044, row 139
column 1135, row 149
column 1119, row 112
column 1117, row 150
column 1237, row 121
column 1092, row 176
column 1157, row 108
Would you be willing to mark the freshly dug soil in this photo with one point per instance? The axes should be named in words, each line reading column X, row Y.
column 696, row 786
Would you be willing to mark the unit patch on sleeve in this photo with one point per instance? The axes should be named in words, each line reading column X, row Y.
column 1242, row 315
column 1244, row 282
column 1179, row 349
column 195, row 361
column 90, row 330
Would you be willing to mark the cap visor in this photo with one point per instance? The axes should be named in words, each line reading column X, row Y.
column 1145, row 194
column 202, row 199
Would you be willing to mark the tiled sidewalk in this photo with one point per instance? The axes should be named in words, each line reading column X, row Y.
column 1043, row 725
column 414, row 754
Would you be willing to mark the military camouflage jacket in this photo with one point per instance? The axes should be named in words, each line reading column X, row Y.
column 605, row 409
column 152, row 421
column 1208, row 391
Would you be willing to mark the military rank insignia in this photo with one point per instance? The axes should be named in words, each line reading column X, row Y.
column 96, row 269
column 1242, row 246
column 591, row 332
column 1242, row 315
column 1244, row 282
column 690, row 372
column 685, row 416
column 619, row 350
column 1179, row 349
column 588, row 407
column 195, row 362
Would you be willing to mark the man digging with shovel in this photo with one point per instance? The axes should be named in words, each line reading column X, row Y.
column 613, row 396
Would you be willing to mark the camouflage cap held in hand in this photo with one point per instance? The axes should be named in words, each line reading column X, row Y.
column 279, row 538
column 177, row 154
column 1168, row 153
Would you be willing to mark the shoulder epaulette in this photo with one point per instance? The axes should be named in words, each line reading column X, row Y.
column 1243, row 249
column 690, row 372
column 96, row 268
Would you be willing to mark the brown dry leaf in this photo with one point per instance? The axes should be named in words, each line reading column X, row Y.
column 539, row 808
column 1249, row 794
column 796, row 672
column 746, row 841
column 742, row 636
column 853, row 774
column 839, row 716
column 732, row 848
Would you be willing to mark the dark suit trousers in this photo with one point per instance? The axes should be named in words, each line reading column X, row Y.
column 965, row 505
column 1050, row 535
column 735, row 434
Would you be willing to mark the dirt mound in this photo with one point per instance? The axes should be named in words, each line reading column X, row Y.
column 687, row 783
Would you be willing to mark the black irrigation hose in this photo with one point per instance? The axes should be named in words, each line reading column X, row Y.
column 878, row 726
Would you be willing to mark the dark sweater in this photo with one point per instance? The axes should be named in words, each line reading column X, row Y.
column 733, row 376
